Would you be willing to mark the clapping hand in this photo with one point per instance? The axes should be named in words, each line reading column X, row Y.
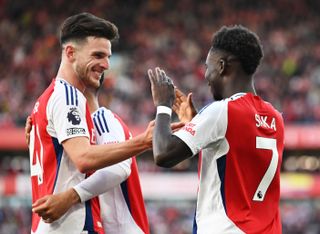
column 183, row 106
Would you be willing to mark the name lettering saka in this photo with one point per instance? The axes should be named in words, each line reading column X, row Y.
column 264, row 122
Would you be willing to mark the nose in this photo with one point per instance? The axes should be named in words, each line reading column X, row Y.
column 105, row 63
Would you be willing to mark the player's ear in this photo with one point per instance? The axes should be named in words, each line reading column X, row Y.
column 222, row 66
column 69, row 50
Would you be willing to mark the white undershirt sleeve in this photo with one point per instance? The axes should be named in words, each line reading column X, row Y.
column 103, row 180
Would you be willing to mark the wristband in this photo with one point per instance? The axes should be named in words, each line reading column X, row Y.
column 164, row 110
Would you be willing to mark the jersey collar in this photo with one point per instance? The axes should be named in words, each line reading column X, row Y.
column 237, row 95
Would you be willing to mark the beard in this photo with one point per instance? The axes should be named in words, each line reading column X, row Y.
column 83, row 75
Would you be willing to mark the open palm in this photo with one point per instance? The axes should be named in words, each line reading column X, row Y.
column 183, row 106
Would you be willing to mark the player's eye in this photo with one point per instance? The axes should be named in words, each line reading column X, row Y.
column 99, row 55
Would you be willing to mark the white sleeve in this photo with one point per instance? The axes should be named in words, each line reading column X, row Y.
column 108, row 130
column 103, row 180
column 66, row 111
column 207, row 127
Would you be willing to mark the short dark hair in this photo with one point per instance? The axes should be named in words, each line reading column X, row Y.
column 80, row 26
column 242, row 43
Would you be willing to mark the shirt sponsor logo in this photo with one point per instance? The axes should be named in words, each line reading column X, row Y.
column 74, row 116
column 189, row 128
column 75, row 131
column 111, row 142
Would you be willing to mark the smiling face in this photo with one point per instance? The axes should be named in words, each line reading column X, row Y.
column 214, row 69
column 92, row 58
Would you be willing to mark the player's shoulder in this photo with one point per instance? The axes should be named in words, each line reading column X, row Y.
column 107, row 122
column 67, row 93
column 214, row 107
column 266, row 107
column 104, row 118
column 255, row 100
column 271, row 108
column 107, row 114
column 102, row 112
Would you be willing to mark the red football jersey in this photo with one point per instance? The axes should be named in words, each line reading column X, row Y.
column 242, row 141
column 60, row 113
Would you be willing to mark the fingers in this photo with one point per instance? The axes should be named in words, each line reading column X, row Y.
column 151, row 123
column 164, row 77
column 162, row 88
column 27, row 129
column 154, row 77
column 189, row 99
column 151, row 76
column 159, row 76
column 48, row 217
column 41, row 208
column 179, row 93
column 38, row 202
column 28, row 138
column 180, row 96
column 175, row 107
column 47, row 220
column 28, row 124
column 176, row 126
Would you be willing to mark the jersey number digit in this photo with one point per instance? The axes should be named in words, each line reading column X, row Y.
column 269, row 144
column 36, row 169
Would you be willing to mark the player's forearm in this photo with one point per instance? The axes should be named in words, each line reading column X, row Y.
column 161, row 138
column 168, row 150
column 99, row 156
column 109, row 177
column 70, row 197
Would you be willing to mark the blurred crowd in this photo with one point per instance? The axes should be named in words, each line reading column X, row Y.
column 174, row 35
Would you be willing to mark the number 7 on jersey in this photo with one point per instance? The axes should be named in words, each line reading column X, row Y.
column 269, row 144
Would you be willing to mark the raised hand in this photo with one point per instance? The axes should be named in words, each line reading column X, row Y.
column 161, row 87
column 183, row 106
